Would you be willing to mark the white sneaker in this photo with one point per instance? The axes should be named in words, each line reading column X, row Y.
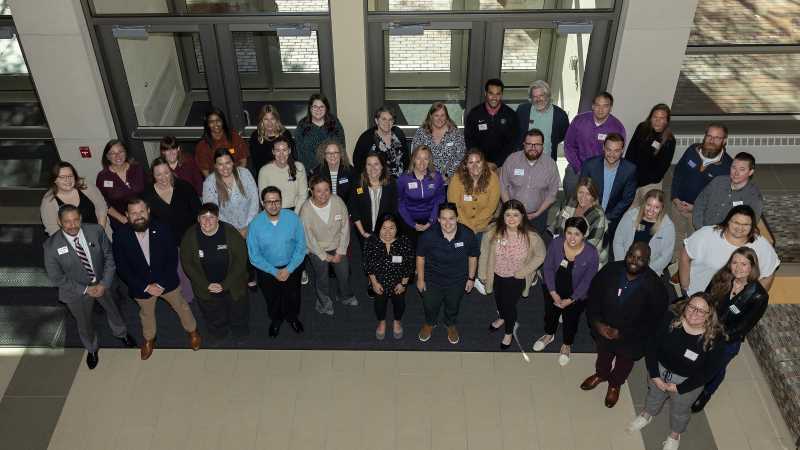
column 480, row 287
column 542, row 342
column 304, row 278
column 671, row 444
column 563, row 359
column 638, row 423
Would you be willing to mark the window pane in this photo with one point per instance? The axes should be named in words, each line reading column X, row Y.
column 26, row 163
column 738, row 84
column 485, row 5
column 426, row 68
column 210, row 6
column 11, row 59
column 746, row 22
column 166, row 77
column 5, row 8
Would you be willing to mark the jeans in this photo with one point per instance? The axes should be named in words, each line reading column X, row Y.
column 731, row 350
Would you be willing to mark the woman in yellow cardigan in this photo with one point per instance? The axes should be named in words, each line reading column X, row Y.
column 475, row 189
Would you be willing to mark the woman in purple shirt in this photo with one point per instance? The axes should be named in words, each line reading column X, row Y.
column 120, row 180
column 568, row 268
column 419, row 192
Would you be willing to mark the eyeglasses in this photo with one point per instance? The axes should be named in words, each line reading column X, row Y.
column 528, row 144
column 273, row 202
column 318, row 107
column 715, row 138
column 695, row 310
column 65, row 177
column 331, row 153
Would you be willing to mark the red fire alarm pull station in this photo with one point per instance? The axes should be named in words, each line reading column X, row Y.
column 86, row 152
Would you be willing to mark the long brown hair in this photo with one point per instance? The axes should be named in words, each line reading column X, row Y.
column 525, row 227
column 222, row 189
column 646, row 126
column 427, row 125
column 722, row 281
column 713, row 328
column 657, row 194
column 384, row 170
column 268, row 109
column 462, row 172
column 80, row 183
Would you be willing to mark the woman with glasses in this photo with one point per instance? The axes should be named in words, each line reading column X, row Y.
column 335, row 168
column 318, row 125
column 67, row 188
column 385, row 138
column 684, row 353
column 740, row 302
column 120, row 180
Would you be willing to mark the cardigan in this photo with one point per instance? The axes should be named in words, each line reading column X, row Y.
column 583, row 269
column 49, row 209
column 558, row 130
column 477, row 209
column 323, row 237
column 662, row 244
column 486, row 262
column 396, row 158
column 236, row 278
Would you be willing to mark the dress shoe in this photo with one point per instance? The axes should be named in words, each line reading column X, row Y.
column 425, row 333
column 297, row 326
column 274, row 329
column 452, row 335
column 492, row 329
column 194, row 340
column 701, row 401
column 612, row 395
column 591, row 382
column 128, row 341
column 147, row 348
column 92, row 358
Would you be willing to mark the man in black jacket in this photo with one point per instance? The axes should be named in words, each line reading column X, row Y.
column 492, row 125
column 626, row 300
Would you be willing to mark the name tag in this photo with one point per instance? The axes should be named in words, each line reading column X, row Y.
column 734, row 309
column 291, row 180
column 738, row 203
column 640, row 228
column 692, row 164
column 201, row 254
column 458, row 244
column 397, row 259
column 359, row 190
column 482, row 127
column 108, row 184
column 62, row 250
column 413, row 185
column 656, row 145
column 222, row 247
column 565, row 214
column 564, row 263
column 519, row 172
column 343, row 180
column 337, row 217
column 467, row 198
column 601, row 136
column 690, row 355
column 619, row 292
column 431, row 186
column 449, row 144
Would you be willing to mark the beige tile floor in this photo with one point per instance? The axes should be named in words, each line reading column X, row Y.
column 9, row 358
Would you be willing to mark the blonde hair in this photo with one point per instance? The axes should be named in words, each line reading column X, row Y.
column 262, row 133
column 421, row 148
column 713, row 328
column 427, row 125
column 657, row 194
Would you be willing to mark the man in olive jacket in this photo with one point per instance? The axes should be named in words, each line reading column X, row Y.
column 214, row 257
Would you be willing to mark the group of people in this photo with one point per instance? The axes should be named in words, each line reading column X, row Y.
column 454, row 210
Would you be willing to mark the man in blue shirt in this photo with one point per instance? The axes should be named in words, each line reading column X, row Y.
column 447, row 260
column 276, row 244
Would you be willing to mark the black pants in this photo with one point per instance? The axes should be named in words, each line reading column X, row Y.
column 507, row 292
column 398, row 304
column 283, row 298
column 571, row 315
column 223, row 313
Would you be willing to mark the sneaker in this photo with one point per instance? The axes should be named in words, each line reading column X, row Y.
column 480, row 287
column 452, row 335
column 352, row 301
column 543, row 342
column 397, row 332
column 671, row 444
column 304, row 278
column 563, row 358
column 638, row 423
column 425, row 333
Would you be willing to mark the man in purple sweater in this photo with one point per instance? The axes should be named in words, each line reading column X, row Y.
column 585, row 137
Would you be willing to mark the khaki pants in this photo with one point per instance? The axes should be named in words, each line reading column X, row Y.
column 147, row 312
column 644, row 190
column 683, row 229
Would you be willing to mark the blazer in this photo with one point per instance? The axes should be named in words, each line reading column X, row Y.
column 622, row 192
column 487, row 260
column 64, row 268
column 557, row 133
column 662, row 244
column 132, row 266
column 345, row 179
column 360, row 204
column 236, row 278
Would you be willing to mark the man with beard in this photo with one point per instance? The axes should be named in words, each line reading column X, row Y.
column 147, row 261
column 531, row 177
column 585, row 137
column 626, row 301
column 696, row 168
column 542, row 114
column 492, row 125
column 724, row 192
column 80, row 263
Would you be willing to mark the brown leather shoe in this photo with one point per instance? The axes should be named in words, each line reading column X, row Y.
column 612, row 395
column 194, row 340
column 452, row 334
column 425, row 332
column 591, row 382
column 147, row 348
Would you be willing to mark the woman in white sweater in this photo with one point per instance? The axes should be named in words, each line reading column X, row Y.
column 285, row 174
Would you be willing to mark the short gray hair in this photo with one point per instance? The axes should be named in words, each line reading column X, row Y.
column 540, row 84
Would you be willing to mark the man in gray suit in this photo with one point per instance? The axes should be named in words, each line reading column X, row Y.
column 80, row 263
